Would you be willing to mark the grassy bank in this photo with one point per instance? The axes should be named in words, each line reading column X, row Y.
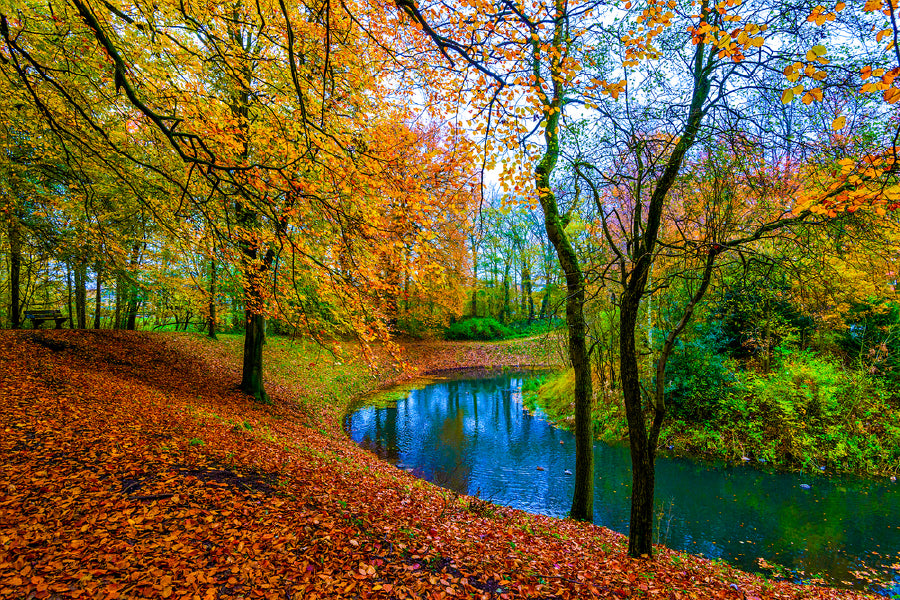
column 809, row 415
column 130, row 467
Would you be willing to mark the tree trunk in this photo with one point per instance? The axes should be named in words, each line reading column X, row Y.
column 212, row 296
column 252, row 373
column 256, row 260
column 69, row 295
column 120, row 294
column 15, row 272
column 643, row 241
column 490, row 299
column 237, row 322
column 132, row 308
column 545, row 302
column 98, row 270
column 81, row 293
column 506, row 311
column 474, row 283
column 255, row 257
column 527, row 291
column 640, row 533
column 406, row 281
column 133, row 302
column 583, row 496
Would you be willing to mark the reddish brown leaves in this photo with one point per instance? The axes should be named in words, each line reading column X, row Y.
column 132, row 469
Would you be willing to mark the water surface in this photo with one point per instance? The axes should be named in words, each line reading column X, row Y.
column 474, row 437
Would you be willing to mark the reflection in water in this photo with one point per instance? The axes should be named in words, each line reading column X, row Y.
column 473, row 436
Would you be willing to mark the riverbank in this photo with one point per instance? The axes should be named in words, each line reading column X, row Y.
column 786, row 420
column 131, row 467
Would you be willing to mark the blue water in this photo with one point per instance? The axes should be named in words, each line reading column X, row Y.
column 474, row 437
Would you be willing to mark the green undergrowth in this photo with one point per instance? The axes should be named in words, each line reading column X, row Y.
column 554, row 393
column 489, row 329
column 322, row 379
column 811, row 414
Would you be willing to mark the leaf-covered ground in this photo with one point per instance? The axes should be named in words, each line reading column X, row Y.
column 131, row 467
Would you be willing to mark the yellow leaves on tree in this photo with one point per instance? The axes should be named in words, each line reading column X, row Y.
column 277, row 124
column 850, row 185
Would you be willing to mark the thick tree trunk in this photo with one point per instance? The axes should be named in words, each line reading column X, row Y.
column 583, row 496
column 132, row 309
column 634, row 285
column 15, row 272
column 252, row 373
column 640, row 534
column 256, row 260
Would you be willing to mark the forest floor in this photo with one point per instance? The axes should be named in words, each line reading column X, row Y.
column 131, row 467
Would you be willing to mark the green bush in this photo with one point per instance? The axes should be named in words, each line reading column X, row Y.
column 756, row 316
column 814, row 412
column 478, row 328
column 536, row 327
column 697, row 380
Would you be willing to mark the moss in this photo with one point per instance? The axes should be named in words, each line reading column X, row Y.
column 389, row 397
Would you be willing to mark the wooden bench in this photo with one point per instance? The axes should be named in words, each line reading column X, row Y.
column 39, row 316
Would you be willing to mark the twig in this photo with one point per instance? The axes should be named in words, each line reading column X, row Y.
column 153, row 497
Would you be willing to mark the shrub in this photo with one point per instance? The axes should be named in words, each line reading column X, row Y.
column 697, row 380
column 478, row 328
column 758, row 315
column 813, row 411
column 536, row 327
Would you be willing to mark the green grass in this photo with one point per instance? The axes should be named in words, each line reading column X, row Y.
column 323, row 380
column 555, row 397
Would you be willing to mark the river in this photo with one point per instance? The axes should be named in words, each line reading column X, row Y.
column 475, row 437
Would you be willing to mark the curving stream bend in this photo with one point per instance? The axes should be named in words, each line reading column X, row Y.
column 474, row 436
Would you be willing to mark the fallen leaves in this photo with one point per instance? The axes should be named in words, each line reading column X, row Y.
column 102, row 495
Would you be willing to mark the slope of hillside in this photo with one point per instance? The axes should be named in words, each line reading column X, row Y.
column 131, row 467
